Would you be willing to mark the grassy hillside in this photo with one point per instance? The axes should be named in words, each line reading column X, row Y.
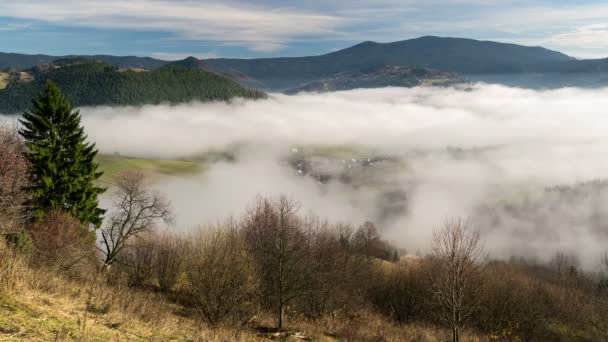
column 3, row 79
column 113, row 164
column 93, row 84
column 38, row 305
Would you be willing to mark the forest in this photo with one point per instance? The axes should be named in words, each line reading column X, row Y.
column 90, row 83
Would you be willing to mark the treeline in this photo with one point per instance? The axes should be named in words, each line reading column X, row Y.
column 93, row 84
column 272, row 261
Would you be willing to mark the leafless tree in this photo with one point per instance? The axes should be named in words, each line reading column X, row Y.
column 275, row 237
column 221, row 277
column 136, row 260
column 168, row 259
column 457, row 257
column 136, row 210
column 13, row 179
column 61, row 242
column 367, row 240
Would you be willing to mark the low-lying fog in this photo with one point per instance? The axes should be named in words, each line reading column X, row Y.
column 524, row 166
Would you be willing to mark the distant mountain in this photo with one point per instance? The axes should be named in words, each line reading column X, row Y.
column 465, row 56
column 585, row 65
column 22, row 61
column 382, row 76
column 190, row 62
column 89, row 83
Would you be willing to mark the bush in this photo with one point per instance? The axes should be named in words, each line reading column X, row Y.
column 221, row 281
column 61, row 242
column 168, row 260
column 136, row 260
column 400, row 292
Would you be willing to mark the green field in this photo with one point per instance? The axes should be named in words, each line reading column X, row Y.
column 113, row 164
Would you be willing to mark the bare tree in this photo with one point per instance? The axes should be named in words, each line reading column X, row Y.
column 168, row 259
column 136, row 210
column 367, row 241
column 457, row 255
column 277, row 241
column 221, row 277
column 13, row 178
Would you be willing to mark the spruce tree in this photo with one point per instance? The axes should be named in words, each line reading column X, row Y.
column 63, row 167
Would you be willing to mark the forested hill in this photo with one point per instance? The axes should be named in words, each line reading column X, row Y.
column 21, row 61
column 448, row 54
column 96, row 83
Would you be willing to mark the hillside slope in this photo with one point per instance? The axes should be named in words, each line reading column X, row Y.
column 449, row 54
column 91, row 84
column 382, row 76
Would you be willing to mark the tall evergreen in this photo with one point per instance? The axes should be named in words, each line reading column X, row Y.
column 63, row 167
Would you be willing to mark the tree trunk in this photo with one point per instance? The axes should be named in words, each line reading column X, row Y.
column 281, row 316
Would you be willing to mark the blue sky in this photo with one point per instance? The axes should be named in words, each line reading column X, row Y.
column 172, row 29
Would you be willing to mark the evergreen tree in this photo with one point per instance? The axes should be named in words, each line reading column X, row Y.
column 63, row 166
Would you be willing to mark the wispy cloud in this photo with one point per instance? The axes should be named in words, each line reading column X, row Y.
column 256, row 27
column 294, row 26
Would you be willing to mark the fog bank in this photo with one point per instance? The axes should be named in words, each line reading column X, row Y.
column 490, row 153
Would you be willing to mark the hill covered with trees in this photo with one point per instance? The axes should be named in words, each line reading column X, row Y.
column 21, row 61
column 92, row 83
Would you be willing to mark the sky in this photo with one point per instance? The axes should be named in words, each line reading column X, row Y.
column 175, row 29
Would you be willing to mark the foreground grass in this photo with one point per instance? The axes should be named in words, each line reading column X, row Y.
column 46, row 305
column 113, row 164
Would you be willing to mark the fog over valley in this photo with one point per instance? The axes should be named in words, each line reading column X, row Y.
column 525, row 166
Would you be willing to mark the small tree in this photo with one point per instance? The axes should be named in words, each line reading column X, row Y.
column 13, row 179
column 136, row 210
column 457, row 255
column 277, row 242
column 221, row 277
column 63, row 168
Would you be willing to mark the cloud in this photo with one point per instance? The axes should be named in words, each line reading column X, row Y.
column 523, row 165
column 589, row 36
column 256, row 27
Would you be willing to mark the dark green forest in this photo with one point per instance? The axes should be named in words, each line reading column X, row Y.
column 93, row 84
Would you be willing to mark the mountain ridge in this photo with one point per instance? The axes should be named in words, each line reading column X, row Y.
column 460, row 55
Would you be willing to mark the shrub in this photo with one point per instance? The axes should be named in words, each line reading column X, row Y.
column 61, row 242
column 136, row 260
column 220, row 277
column 401, row 291
column 168, row 260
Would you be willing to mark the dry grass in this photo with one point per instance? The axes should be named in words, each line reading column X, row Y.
column 366, row 325
column 40, row 306
column 25, row 77
column 3, row 79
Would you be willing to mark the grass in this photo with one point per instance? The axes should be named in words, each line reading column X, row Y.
column 3, row 80
column 113, row 164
